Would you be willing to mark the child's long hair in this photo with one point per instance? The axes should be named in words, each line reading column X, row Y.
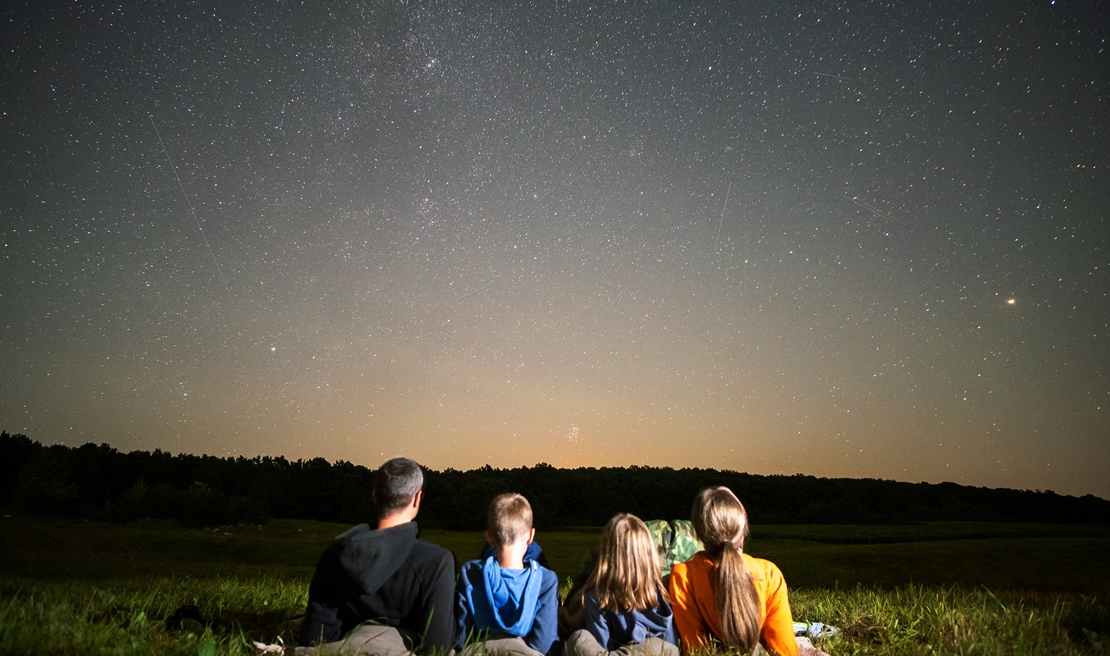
column 721, row 523
column 626, row 576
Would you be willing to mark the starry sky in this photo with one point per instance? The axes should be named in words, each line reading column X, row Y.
column 861, row 239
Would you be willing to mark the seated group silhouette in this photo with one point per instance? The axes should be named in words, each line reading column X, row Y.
column 383, row 591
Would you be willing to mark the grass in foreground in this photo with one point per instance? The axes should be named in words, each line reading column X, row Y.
column 951, row 620
column 127, row 617
column 87, row 588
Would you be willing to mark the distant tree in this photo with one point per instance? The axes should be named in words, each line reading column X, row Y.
column 15, row 451
column 99, row 481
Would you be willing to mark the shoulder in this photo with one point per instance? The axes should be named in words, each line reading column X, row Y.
column 353, row 533
column 432, row 551
column 759, row 564
column 763, row 569
column 592, row 603
column 426, row 556
column 550, row 581
column 471, row 567
column 347, row 541
column 700, row 563
column 549, row 588
column 352, row 536
column 363, row 539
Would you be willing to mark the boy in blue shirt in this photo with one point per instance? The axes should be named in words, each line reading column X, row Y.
column 506, row 604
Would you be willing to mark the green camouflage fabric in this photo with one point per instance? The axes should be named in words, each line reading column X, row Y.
column 674, row 541
column 684, row 544
column 661, row 535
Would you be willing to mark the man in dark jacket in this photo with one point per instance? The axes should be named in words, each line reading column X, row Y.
column 381, row 590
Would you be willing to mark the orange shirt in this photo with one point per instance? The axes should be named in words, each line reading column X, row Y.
column 695, row 605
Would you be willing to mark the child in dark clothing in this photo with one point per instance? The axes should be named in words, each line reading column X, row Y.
column 626, row 604
column 504, row 604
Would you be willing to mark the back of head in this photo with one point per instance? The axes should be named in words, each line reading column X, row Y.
column 719, row 517
column 626, row 576
column 395, row 484
column 721, row 523
column 509, row 519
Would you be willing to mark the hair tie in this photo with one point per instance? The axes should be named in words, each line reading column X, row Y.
column 727, row 544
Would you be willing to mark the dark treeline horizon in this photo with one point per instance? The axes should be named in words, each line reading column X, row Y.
column 98, row 481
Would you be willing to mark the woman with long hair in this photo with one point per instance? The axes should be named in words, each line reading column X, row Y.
column 722, row 595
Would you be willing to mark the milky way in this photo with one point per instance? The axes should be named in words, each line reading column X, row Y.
column 498, row 233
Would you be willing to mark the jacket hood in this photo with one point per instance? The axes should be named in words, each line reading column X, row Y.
column 618, row 628
column 508, row 599
column 369, row 557
column 655, row 620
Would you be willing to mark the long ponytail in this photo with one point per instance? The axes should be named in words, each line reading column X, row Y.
column 721, row 523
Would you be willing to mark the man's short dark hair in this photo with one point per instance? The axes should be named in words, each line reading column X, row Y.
column 395, row 484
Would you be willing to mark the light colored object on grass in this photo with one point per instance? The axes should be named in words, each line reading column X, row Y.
column 366, row 640
column 806, row 648
column 814, row 630
column 514, row 646
column 583, row 643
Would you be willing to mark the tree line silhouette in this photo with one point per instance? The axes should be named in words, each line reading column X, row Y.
column 98, row 481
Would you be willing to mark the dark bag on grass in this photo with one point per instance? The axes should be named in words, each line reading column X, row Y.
column 187, row 618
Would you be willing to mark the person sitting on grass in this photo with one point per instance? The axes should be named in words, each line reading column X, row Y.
column 382, row 591
column 625, row 601
column 505, row 604
column 674, row 542
column 723, row 596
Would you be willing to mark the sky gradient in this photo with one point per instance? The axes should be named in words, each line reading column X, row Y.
column 854, row 239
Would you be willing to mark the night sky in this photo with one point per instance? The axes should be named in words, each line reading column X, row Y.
column 859, row 239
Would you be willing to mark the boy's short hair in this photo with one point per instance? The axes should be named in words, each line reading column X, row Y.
column 510, row 519
column 395, row 484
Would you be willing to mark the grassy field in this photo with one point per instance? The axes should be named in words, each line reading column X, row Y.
column 85, row 587
column 1073, row 560
column 923, row 532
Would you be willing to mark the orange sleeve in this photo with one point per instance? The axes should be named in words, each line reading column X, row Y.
column 687, row 618
column 778, row 624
